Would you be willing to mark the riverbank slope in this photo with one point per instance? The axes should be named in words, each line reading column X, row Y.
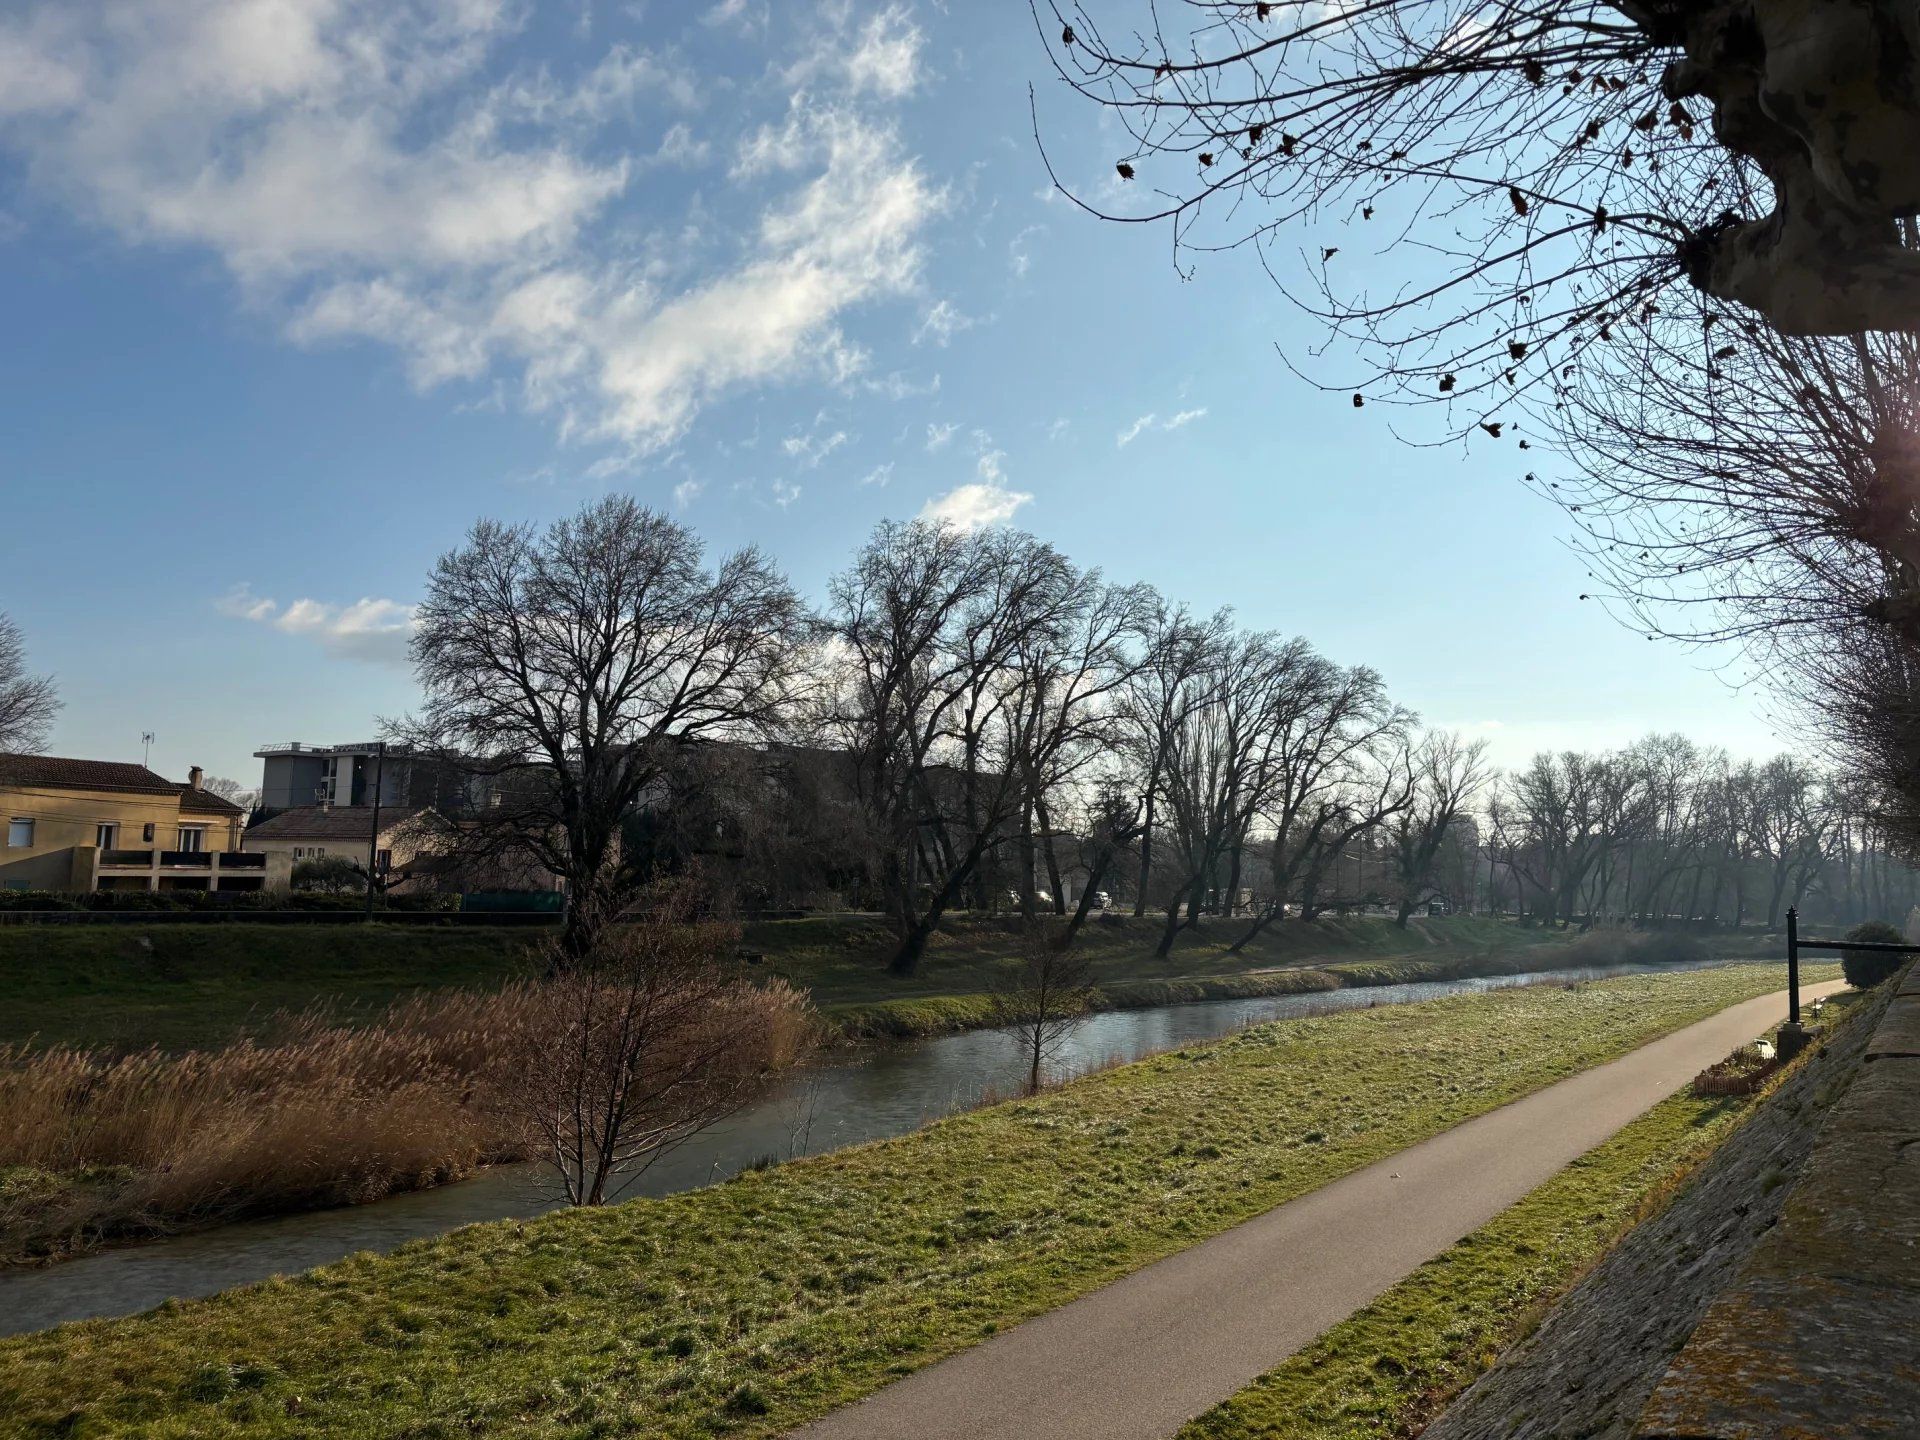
column 191, row 986
column 763, row 1302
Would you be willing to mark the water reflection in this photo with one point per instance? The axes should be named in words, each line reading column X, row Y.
column 884, row 1091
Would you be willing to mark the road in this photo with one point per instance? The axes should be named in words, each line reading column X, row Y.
column 1140, row 1357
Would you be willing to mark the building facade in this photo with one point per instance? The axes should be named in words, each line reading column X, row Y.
column 297, row 775
column 105, row 825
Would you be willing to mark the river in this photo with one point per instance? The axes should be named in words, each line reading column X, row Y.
column 883, row 1090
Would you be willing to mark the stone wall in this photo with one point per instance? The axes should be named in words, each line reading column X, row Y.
column 1590, row 1368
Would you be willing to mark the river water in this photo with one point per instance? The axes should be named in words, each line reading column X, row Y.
column 885, row 1090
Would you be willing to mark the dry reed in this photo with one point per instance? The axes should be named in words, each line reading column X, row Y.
column 96, row 1146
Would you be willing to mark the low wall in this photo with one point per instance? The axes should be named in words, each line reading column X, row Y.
column 1819, row 1333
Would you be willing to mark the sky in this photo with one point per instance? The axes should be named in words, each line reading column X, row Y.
column 294, row 291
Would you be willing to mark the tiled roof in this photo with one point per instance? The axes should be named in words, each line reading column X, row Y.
column 205, row 802
column 58, row 772
column 61, row 773
column 339, row 822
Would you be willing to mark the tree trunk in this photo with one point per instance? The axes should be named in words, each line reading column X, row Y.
column 913, row 945
column 1146, row 861
column 1260, row 922
column 1173, row 926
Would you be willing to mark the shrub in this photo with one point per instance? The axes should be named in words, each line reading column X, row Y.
column 1876, row 932
column 329, row 875
column 1869, row 968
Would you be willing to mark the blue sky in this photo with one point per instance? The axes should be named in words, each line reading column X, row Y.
column 297, row 289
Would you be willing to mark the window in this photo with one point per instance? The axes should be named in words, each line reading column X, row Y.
column 383, row 861
column 193, row 839
column 107, row 837
column 19, row 833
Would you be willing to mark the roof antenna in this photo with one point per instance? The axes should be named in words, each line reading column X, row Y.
column 146, row 748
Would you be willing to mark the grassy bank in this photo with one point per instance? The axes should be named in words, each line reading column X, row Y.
column 1388, row 1369
column 756, row 1304
column 181, row 986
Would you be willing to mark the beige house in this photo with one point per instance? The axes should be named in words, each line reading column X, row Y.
column 107, row 825
column 318, row 832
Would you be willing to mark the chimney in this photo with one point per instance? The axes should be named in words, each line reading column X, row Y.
column 194, row 776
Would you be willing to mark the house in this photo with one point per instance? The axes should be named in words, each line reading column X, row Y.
column 107, row 825
column 323, row 831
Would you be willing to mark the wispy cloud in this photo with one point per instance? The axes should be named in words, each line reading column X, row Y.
column 940, row 434
column 812, row 448
column 785, row 492
column 366, row 629
column 974, row 505
column 879, row 475
column 1152, row 421
column 687, row 491
column 940, row 324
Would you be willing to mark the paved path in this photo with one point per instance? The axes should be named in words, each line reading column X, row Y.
column 1138, row 1358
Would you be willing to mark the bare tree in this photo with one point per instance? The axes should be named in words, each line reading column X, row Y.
column 1112, row 823
column 948, row 725
column 232, row 790
column 562, row 668
column 1530, row 162
column 643, row 1042
column 1172, row 679
column 1448, row 775
column 1224, row 750
column 1044, row 999
column 27, row 702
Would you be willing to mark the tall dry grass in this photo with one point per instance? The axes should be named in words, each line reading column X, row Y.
column 95, row 1147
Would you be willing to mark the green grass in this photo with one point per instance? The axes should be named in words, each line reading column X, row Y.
column 754, row 1305
column 180, row 986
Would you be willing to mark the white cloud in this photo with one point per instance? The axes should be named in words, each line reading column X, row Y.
column 881, row 57
column 940, row 434
column 366, row 629
column 785, row 493
column 973, row 505
column 941, row 324
column 810, row 449
column 687, row 491
column 879, row 475
column 1020, row 252
column 989, row 467
column 1152, row 421
column 1059, row 427
column 379, row 170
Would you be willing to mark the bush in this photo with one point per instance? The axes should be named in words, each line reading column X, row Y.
column 1876, row 932
column 1866, row 969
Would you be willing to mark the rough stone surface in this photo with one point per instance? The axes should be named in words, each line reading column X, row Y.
column 1819, row 1334
column 1899, row 1033
column 1587, row 1372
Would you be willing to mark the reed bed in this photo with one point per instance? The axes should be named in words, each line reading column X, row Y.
column 96, row 1146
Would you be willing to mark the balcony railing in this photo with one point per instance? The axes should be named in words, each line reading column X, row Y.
column 181, row 860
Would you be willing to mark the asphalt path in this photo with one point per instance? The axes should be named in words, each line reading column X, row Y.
column 1137, row 1359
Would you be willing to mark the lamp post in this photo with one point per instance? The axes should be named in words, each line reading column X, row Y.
column 373, row 838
